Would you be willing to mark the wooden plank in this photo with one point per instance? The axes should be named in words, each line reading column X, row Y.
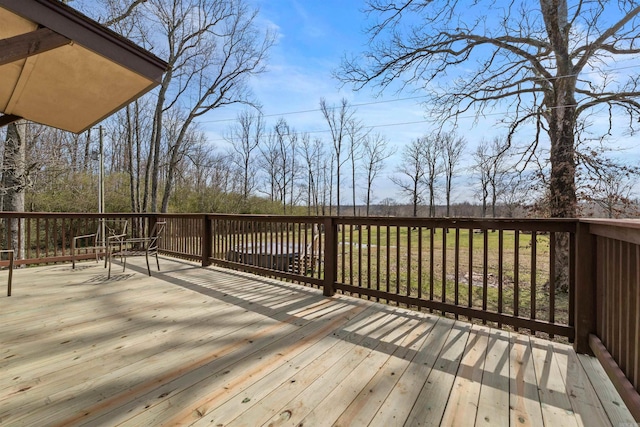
column 192, row 395
column 131, row 388
column 582, row 396
column 371, row 397
column 363, row 359
column 355, row 392
column 524, row 404
column 556, row 407
column 85, row 391
column 103, row 354
column 191, row 325
column 297, row 373
column 430, row 404
column 462, row 405
column 400, row 401
column 327, row 367
column 608, row 396
column 493, row 405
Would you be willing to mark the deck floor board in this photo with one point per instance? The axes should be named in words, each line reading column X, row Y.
column 208, row 346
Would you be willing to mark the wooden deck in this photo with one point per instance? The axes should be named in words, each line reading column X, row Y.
column 206, row 346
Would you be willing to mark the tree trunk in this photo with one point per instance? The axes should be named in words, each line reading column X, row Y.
column 563, row 203
column 14, row 180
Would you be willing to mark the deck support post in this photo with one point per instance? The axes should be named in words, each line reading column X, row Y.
column 584, row 297
column 330, row 256
column 207, row 240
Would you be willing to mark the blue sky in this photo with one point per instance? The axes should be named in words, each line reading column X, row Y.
column 313, row 35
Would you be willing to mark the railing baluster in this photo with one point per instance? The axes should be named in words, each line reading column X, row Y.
column 534, row 272
column 37, row 237
column 470, row 280
column 485, row 271
column 432, row 251
column 398, row 260
column 420, row 261
column 343, row 254
column 516, row 275
column 408, row 261
column 456, row 273
column 350, row 265
column 552, row 279
column 368, row 256
column 444, row 266
column 360, row 258
column 500, row 271
column 388, row 257
column 378, row 252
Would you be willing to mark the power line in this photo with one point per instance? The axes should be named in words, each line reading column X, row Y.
column 315, row 110
column 363, row 104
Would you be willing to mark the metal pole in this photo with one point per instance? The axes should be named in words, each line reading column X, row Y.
column 101, row 189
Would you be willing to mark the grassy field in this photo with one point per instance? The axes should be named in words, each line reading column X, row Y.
column 421, row 262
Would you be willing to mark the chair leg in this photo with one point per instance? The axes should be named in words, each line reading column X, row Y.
column 9, row 281
column 157, row 261
column 148, row 267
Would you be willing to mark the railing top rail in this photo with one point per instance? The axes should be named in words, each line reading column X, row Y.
column 623, row 230
column 114, row 215
column 524, row 224
column 626, row 223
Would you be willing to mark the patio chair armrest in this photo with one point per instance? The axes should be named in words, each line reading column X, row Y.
column 85, row 236
column 117, row 237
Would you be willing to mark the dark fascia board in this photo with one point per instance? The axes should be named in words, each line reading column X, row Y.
column 7, row 119
column 88, row 33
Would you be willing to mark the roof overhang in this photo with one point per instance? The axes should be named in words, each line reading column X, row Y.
column 62, row 69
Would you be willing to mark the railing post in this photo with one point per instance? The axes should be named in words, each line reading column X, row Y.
column 207, row 240
column 584, row 297
column 330, row 256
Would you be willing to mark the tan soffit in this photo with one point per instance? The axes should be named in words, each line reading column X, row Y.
column 90, row 75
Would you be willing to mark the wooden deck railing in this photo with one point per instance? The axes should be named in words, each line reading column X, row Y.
column 500, row 272
column 494, row 271
column 44, row 238
column 609, row 301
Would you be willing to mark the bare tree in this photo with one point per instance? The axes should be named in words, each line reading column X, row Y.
column 338, row 119
column 389, row 206
column 410, row 176
column 245, row 137
column 374, row 154
column 356, row 135
column 609, row 185
column 279, row 163
column 431, row 151
column 314, row 158
column 452, row 148
column 531, row 58
column 481, row 166
column 516, row 193
column 212, row 48
column 268, row 163
column 548, row 63
column 490, row 164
